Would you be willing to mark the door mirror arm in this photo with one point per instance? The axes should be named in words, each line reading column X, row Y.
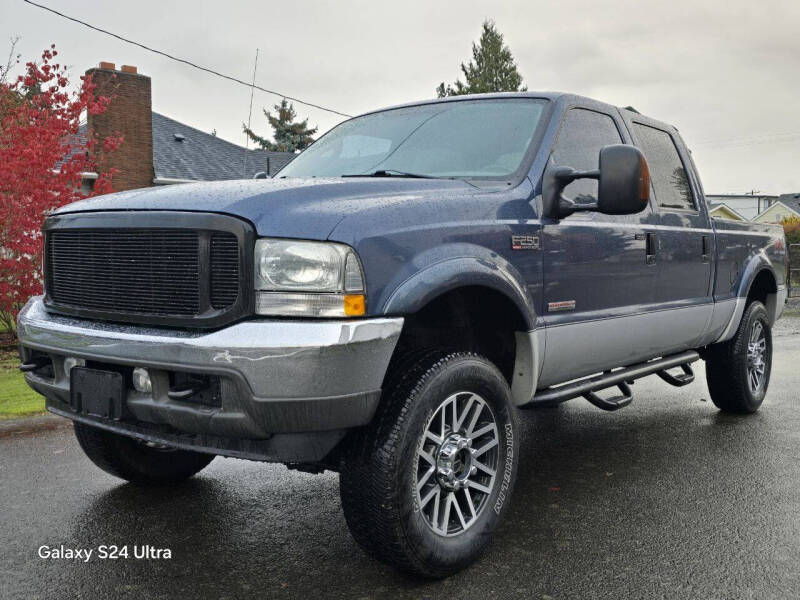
column 556, row 205
column 623, row 184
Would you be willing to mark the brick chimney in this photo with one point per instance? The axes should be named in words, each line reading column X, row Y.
column 129, row 115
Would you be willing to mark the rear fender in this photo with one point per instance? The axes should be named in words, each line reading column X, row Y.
column 758, row 263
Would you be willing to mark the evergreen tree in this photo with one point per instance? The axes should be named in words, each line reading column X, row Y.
column 492, row 68
column 289, row 135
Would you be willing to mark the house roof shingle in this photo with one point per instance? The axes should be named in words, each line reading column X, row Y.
column 78, row 145
column 791, row 200
column 183, row 152
column 200, row 156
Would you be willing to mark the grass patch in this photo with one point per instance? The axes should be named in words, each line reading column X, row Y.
column 16, row 398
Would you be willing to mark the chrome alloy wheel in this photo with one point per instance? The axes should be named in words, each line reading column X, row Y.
column 457, row 460
column 756, row 357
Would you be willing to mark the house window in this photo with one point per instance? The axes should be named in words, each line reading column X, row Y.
column 87, row 185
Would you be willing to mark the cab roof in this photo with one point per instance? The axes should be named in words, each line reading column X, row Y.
column 560, row 97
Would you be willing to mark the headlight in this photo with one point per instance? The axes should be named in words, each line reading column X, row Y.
column 300, row 278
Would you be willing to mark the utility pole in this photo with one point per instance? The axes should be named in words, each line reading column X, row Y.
column 753, row 193
column 249, row 117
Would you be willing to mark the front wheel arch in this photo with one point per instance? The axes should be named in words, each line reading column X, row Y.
column 484, row 320
column 451, row 274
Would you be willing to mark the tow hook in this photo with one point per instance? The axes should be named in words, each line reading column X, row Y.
column 186, row 390
column 34, row 364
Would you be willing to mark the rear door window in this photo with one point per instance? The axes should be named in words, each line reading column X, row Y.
column 670, row 181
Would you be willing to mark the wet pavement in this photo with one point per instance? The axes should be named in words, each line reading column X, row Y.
column 667, row 498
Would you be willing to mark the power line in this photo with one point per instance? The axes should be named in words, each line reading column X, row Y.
column 767, row 137
column 746, row 144
column 186, row 62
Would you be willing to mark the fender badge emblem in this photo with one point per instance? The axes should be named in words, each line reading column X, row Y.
column 563, row 305
column 524, row 242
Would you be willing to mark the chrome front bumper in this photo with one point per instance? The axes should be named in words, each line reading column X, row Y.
column 277, row 376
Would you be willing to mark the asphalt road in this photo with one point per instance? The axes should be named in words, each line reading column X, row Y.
column 667, row 498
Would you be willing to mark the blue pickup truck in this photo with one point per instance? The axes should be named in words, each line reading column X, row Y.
column 385, row 304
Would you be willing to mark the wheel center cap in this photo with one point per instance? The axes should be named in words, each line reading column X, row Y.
column 754, row 355
column 454, row 462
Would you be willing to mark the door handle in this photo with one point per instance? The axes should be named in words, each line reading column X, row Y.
column 706, row 249
column 650, row 244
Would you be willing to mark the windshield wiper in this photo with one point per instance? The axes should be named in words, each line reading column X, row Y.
column 391, row 173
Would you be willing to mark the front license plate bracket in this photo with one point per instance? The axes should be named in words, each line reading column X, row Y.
column 97, row 393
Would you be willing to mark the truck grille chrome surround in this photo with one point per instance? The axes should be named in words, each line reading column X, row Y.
column 185, row 270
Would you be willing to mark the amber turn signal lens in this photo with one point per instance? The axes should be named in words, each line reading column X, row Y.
column 644, row 181
column 354, row 305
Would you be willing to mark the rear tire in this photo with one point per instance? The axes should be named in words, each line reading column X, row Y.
column 737, row 371
column 425, row 485
column 135, row 461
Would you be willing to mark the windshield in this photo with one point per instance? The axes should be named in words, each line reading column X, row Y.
column 465, row 139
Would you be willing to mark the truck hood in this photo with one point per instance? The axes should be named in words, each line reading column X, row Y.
column 302, row 208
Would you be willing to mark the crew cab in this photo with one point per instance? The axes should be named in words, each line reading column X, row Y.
column 385, row 305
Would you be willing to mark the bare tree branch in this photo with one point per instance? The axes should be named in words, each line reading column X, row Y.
column 13, row 59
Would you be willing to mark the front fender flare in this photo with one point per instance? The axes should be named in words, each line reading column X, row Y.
column 452, row 273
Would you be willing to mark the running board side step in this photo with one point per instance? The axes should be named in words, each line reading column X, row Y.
column 621, row 378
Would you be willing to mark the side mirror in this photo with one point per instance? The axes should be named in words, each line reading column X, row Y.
column 624, row 184
column 260, row 175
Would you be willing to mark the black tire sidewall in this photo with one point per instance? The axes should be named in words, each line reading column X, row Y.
column 128, row 459
column 466, row 374
column 157, row 464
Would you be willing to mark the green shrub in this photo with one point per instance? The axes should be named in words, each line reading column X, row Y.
column 791, row 228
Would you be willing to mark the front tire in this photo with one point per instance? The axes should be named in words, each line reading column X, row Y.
column 737, row 371
column 136, row 461
column 425, row 485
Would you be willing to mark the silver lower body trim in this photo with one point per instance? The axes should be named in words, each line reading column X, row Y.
column 776, row 303
column 578, row 349
column 733, row 322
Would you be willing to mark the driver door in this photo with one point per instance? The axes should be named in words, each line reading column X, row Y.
column 598, row 279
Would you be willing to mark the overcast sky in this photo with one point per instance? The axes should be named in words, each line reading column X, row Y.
column 725, row 72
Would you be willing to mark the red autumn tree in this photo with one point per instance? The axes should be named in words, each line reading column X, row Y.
column 42, row 156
